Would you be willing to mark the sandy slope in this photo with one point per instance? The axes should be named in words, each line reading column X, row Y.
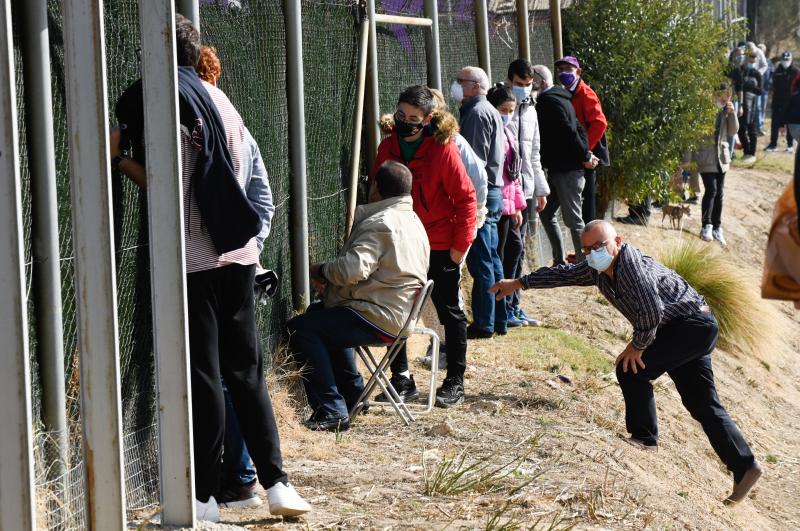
column 372, row 476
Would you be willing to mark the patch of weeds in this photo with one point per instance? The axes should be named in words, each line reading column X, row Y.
column 683, row 494
column 603, row 301
column 501, row 520
column 557, row 523
column 765, row 365
column 454, row 476
column 752, row 382
column 772, row 459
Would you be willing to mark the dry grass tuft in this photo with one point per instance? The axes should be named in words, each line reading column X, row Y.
column 745, row 320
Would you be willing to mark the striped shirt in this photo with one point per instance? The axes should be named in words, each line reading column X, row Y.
column 647, row 293
column 201, row 254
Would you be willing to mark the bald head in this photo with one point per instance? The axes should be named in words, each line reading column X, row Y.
column 599, row 230
column 478, row 76
column 600, row 240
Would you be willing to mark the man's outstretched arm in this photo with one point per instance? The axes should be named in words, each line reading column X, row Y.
column 548, row 277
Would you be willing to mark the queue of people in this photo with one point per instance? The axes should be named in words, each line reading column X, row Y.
column 443, row 194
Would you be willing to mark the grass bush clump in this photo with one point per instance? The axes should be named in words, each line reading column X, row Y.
column 745, row 320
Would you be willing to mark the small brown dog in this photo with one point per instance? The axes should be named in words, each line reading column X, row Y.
column 675, row 213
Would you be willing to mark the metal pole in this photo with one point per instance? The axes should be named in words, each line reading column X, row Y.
column 16, row 445
column 44, row 209
column 373, row 96
column 358, row 122
column 555, row 27
column 301, row 291
column 167, row 266
column 404, row 20
column 191, row 10
column 523, row 30
column 95, row 275
column 482, row 34
column 432, row 45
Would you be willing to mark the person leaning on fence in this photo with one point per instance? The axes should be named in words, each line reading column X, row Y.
column 444, row 200
column 713, row 161
column 238, row 485
column 589, row 112
column 220, row 232
column 565, row 155
column 482, row 127
column 444, row 129
column 368, row 292
column 674, row 332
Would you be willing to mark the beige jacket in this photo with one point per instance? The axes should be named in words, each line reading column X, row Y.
column 382, row 265
column 714, row 153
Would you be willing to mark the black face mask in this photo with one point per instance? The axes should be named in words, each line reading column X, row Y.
column 405, row 129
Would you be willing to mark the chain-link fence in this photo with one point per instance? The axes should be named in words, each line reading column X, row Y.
column 250, row 38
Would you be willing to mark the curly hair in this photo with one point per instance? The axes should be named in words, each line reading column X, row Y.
column 208, row 67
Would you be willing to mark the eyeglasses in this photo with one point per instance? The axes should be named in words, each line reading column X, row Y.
column 398, row 116
column 594, row 247
column 467, row 80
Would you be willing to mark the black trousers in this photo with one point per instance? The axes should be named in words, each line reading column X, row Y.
column 446, row 297
column 748, row 135
column 589, row 194
column 778, row 121
column 223, row 340
column 712, row 198
column 510, row 245
column 682, row 349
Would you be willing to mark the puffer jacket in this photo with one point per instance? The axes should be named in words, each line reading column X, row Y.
column 382, row 265
column 713, row 156
column 525, row 126
column 513, row 196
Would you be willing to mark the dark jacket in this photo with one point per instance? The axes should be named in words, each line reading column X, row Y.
column 782, row 83
column 564, row 144
column 482, row 127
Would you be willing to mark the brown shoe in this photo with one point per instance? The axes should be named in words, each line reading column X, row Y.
column 742, row 489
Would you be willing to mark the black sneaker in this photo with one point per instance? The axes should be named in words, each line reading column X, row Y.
column 477, row 333
column 327, row 423
column 451, row 393
column 239, row 496
column 405, row 386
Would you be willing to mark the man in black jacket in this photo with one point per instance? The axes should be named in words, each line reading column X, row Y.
column 565, row 155
column 752, row 84
column 782, row 81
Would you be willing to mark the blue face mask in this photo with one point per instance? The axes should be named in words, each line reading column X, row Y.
column 506, row 118
column 600, row 259
column 567, row 78
column 522, row 93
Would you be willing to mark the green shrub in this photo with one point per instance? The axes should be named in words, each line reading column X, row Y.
column 745, row 319
column 654, row 66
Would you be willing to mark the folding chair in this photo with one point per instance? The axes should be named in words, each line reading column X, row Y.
column 377, row 369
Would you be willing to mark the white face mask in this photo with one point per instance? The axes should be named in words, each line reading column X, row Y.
column 457, row 91
column 786, row 63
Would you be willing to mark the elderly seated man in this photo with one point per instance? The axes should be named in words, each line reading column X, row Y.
column 368, row 292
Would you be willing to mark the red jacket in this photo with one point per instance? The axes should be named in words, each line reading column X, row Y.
column 443, row 195
column 590, row 113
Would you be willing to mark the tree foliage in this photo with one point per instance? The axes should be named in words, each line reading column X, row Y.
column 655, row 66
column 778, row 22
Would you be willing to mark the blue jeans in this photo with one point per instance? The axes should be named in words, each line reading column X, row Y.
column 762, row 110
column 237, row 467
column 322, row 340
column 486, row 268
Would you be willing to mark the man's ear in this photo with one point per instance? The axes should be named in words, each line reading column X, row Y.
column 579, row 71
column 618, row 239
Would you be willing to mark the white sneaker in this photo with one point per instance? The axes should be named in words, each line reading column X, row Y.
column 750, row 159
column 717, row 234
column 285, row 501
column 208, row 511
column 705, row 234
column 771, row 149
column 790, row 149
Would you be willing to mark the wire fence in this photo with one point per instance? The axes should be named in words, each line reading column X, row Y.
column 250, row 38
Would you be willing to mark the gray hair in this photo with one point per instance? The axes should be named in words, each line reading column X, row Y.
column 603, row 225
column 479, row 75
column 544, row 73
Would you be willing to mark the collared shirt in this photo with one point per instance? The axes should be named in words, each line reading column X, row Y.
column 201, row 254
column 646, row 292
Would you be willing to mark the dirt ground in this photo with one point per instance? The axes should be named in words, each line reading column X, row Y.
column 544, row 407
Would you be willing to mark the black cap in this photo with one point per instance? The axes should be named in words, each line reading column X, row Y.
column 786, row 55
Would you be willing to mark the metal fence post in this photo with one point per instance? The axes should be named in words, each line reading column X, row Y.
column 358, row 122
column 555, row 28
column 482, row 35
column 191, row 10
column 95, row 275
column 432, row 45
column 16, row 445
column 373, row 95
column 523, row 30
column 167, row 262
column 301, row 291
column 44, row 208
